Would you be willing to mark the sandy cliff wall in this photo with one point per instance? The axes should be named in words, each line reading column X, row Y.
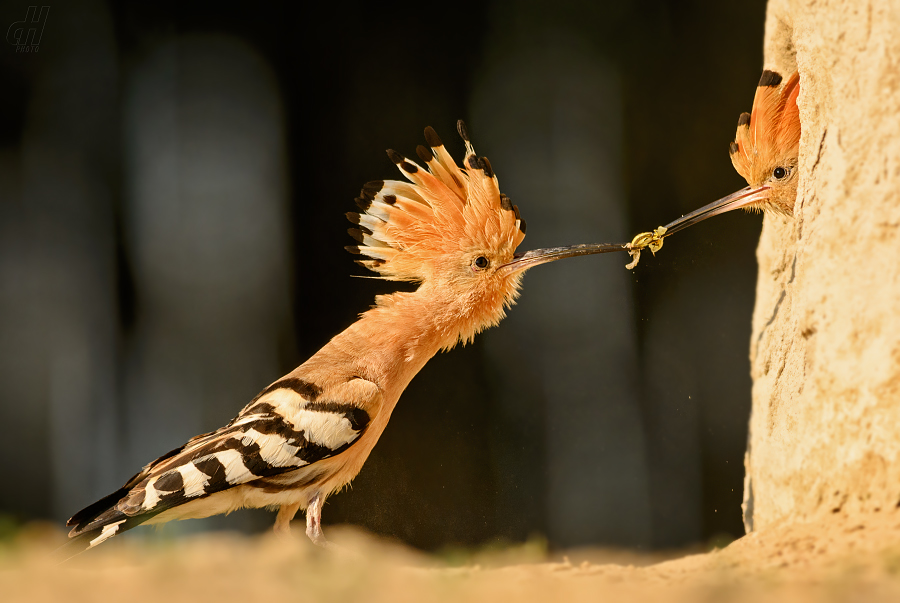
column 825, row 351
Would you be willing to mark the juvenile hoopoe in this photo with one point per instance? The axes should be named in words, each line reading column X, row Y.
column 309, row 433
column 765, row 151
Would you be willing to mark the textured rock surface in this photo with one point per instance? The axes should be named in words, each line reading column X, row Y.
column 825, row 352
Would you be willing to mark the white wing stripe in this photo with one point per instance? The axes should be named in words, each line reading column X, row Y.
column 327, row 429
column 108, row 532
column 151, row 496
column 274, row 449
column 235, row 470
column 195, row 481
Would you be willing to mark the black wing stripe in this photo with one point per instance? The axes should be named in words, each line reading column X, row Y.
column 308, row 390
column 266, row 446
column 171, row 481
column 358, row 417
column 264, row 441
column 213, row 469
column 89, row 513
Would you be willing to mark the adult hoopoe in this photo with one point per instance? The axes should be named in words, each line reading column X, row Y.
column 309, row 433
column 764, row 152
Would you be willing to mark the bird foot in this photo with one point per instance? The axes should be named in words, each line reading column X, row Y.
column 317, row 537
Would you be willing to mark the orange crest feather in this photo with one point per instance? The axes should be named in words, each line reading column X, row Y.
column 407, row 229
column 772, row 129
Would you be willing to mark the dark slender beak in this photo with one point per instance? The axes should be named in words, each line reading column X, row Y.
column 542, row 256
column 742, row 198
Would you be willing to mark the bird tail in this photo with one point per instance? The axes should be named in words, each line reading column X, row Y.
column 100, row 530
column 99, row 522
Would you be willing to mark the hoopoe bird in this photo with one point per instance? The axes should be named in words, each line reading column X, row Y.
column 307, row 435
column 765, row 152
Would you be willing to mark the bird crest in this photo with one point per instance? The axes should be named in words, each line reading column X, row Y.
column 411, row 231
column 767, row 141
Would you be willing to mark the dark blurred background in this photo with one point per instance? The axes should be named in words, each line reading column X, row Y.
column 173, row 182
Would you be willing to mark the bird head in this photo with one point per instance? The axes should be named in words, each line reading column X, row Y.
column 452, row 231
column 767, row 143
column 764, row 152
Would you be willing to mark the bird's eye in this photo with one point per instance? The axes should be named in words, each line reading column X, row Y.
column 481, row 262
column 779, row 173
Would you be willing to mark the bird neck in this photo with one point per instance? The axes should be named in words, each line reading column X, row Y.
column 390, row 343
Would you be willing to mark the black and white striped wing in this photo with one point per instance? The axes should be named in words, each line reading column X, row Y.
column 290, row 425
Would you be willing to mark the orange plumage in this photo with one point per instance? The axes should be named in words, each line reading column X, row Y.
column 767, row 142
column 765, row 152
column 309, row 433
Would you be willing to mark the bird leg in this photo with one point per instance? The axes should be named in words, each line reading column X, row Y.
column 314, row 521
column 283, row 519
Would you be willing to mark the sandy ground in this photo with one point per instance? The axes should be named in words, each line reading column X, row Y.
column 838, row 558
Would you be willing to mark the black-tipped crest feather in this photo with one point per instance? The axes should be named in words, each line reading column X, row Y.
column 432, row 138
column 769, row 78
column 424, row 154
column 463, row 131
column 486, row 166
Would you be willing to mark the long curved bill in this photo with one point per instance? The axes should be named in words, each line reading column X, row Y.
column 742, row 198
column 551, row 254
